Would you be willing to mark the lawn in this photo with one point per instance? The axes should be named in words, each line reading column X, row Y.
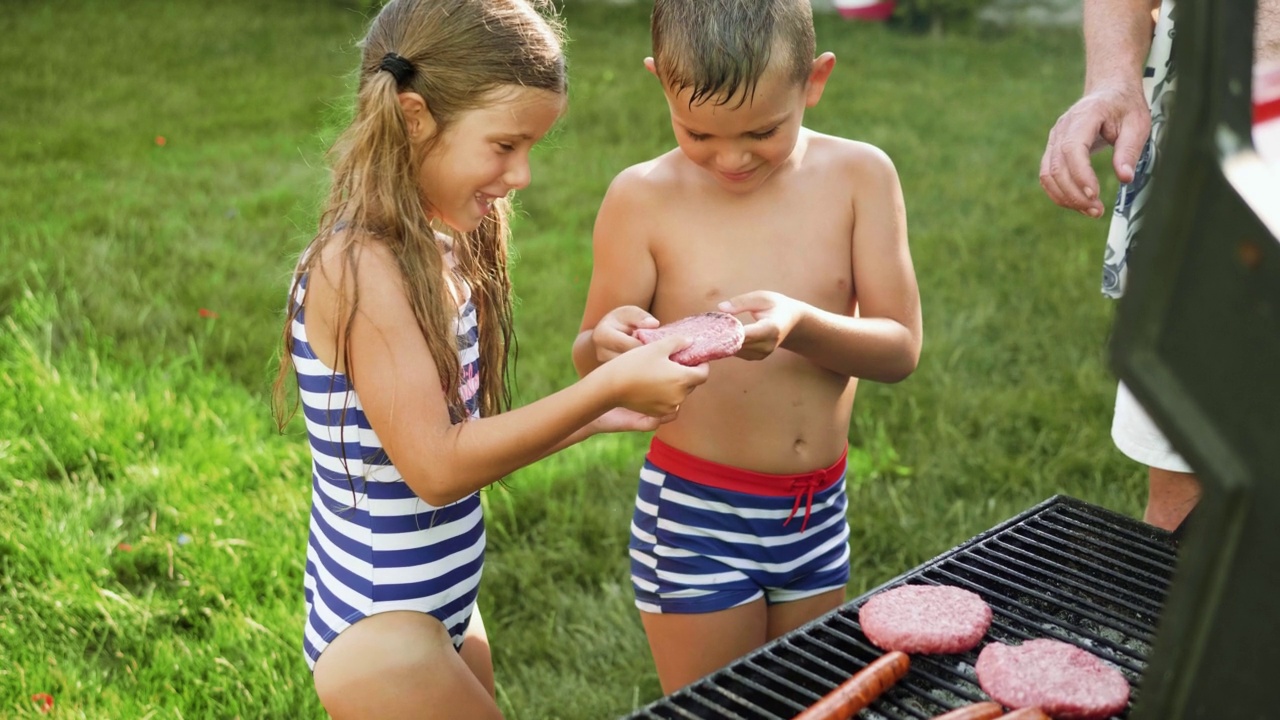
column 160, row 168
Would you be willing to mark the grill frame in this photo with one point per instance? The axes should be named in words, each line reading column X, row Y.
column 1062, row 569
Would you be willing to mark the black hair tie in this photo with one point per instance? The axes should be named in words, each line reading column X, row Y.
column 399, row 68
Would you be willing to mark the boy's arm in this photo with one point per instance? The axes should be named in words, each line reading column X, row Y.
column 623, row 276
column 883, row 342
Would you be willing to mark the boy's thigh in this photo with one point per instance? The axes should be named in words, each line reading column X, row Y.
column 787, row 616
column 688, row 646
column 398, row 665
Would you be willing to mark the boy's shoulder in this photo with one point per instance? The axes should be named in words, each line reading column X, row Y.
column 823, row 151
column 664, row 172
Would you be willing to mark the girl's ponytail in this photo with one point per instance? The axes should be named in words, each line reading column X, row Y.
column 452, row 53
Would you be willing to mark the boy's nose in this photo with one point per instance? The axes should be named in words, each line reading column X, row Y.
column 734, row 161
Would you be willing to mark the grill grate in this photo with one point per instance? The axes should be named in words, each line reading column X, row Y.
column 1063, row 569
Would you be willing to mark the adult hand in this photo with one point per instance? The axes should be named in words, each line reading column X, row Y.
column 1104, row 116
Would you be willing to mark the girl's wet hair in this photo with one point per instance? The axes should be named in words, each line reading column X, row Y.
column 458, row 55
column 720, row 48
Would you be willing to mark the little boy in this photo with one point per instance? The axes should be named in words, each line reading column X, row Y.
column 739, row 533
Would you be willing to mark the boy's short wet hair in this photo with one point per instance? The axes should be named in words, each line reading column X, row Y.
column 720, row 48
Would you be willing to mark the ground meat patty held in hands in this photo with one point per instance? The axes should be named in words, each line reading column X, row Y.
column 715, row 335
column 925, row 619
column 1066, row 682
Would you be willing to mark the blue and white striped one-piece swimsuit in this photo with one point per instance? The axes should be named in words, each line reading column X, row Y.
column 375, row 546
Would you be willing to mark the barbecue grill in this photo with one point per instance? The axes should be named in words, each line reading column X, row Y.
column 1064, row 569
column 1198, row 342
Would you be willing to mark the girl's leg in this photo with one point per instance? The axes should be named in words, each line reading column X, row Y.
column 397, row 666
column 686, row 647
column 787, row 616
column 475, row 652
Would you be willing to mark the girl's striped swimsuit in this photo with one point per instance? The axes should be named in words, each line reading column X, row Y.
column 374, row 545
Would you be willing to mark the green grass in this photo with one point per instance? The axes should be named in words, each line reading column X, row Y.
column 152, row 522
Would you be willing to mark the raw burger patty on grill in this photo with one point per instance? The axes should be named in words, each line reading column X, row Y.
column 1066, row 682
column 715, row 335
column 925, row 619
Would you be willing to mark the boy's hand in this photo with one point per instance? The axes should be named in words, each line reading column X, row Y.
column 612, row 336
column 775, row 316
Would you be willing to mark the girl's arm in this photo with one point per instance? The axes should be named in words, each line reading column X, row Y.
column 882, row 342
column 401, row 393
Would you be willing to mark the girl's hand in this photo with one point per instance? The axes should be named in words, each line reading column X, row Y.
column 624, row 420
column 774, row 315
column 612, row 336
column 646, row 381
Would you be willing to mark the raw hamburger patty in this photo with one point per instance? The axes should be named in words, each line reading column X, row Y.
column 1065, row 681
column 715, row 335
column 925, row 619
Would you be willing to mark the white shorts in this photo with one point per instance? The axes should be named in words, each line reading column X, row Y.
column 1139, row 438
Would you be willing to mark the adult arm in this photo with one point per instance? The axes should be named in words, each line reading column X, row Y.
column 1113, row 109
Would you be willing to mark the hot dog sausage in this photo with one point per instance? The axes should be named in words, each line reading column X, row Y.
column 977, row 711
column 861, row 690
column 1026, row 714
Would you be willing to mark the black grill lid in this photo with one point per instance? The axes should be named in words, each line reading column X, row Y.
column 1198, row 341
column 1064, row 569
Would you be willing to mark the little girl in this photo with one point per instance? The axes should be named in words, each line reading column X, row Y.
column 400, row 332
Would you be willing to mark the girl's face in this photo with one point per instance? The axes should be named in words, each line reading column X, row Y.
column 484, row 154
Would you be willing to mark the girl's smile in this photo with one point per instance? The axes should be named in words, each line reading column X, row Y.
column 484, row 154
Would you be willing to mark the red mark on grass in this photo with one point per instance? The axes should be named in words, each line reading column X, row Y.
column 124, row 547
column 43, row 701
column 205, row 313
column 160, row 140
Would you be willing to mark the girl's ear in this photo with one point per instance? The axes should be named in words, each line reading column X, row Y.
column 417, row 118
column 819, row 72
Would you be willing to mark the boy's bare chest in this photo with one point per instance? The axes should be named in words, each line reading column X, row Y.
column 800, row 247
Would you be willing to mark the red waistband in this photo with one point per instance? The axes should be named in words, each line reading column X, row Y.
column 725, row 477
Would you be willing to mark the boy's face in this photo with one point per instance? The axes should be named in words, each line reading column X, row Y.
column 742, row 145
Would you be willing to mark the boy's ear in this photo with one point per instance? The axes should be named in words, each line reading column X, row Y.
column 417, row 118
column 819, row 72
column 648, row 65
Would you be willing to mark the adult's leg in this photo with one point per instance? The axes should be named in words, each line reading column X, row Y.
column 399, row 666
column 1170, row 497
column 787, row 616
column 475, row 652
column 687, row 646
column 1172, row 487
